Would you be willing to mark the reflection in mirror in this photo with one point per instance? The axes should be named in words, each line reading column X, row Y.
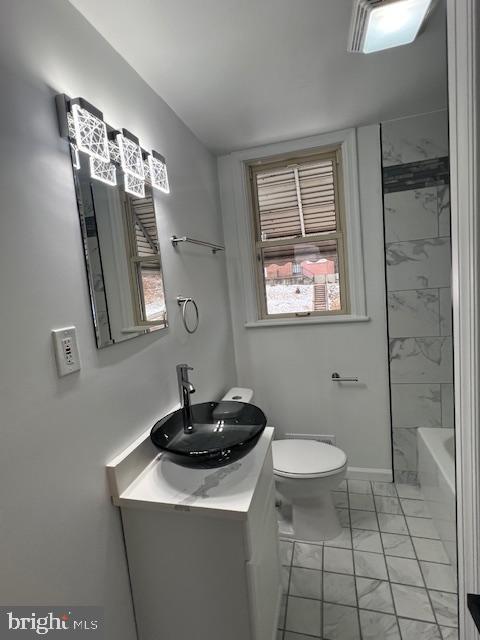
column 122, row 256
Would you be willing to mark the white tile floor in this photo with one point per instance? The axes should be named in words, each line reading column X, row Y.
column 386, row 577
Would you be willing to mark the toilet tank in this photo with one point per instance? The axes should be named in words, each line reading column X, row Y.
column 238, row 394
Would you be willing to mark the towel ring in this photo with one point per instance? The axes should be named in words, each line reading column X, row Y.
column 183, row 302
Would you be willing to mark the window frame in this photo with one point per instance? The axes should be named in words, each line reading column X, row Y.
column 330, row 152
column 134, row 266
column 237, row 221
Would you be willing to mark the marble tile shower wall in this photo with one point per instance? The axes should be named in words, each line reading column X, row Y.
column 418, row 264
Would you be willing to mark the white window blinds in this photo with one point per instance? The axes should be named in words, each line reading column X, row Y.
column 297, row 200
column 146, row 237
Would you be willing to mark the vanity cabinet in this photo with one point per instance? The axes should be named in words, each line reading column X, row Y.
column 203, row 557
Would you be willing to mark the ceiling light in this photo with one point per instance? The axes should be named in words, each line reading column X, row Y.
column 383, row 24
column 90, row 130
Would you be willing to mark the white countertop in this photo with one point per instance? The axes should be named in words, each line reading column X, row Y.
column 141, row 477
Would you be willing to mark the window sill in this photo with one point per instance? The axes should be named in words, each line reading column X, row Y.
column 294, row 322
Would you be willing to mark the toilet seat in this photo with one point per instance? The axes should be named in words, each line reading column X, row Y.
column 306, row 459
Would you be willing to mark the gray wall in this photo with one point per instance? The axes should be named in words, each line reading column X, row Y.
column 417, row 236
column 290, row 367
column 60, row 537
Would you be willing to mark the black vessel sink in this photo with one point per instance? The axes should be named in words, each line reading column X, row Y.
column 222, row 432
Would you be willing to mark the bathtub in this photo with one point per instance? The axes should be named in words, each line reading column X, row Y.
column 436, row 473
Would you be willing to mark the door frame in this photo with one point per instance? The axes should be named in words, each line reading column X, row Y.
column 462, row 24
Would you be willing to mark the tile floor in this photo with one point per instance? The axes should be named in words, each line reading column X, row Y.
column 386, row 576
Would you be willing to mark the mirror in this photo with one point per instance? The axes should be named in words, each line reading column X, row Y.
column 122, row 256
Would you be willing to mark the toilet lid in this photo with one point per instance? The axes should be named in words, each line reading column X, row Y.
column 306, row 458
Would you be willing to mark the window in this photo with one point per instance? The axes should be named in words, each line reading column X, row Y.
column 144, row 262
column 299, row 235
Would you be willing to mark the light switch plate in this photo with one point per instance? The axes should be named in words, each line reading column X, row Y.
column 66, row 350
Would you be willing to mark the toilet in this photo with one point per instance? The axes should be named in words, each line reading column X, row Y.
column 306, row 472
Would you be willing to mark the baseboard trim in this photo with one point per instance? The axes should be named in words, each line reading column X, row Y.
column 364, row 473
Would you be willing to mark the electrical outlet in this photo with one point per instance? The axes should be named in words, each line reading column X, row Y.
column 66, row 350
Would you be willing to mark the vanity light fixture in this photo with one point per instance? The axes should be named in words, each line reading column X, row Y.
column 130, row 155
column 109, row 149
column 158, row 172
column 384, row 24
column 90, row 130
column 103, row 171
column 75, row 156
column 114, row 151
column 134, row 186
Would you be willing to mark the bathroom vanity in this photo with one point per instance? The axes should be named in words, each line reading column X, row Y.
column 202, row 544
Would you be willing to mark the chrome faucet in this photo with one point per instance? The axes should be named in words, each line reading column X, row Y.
column 185, row 389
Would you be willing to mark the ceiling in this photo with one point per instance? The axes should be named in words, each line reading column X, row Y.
column 241, row 73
